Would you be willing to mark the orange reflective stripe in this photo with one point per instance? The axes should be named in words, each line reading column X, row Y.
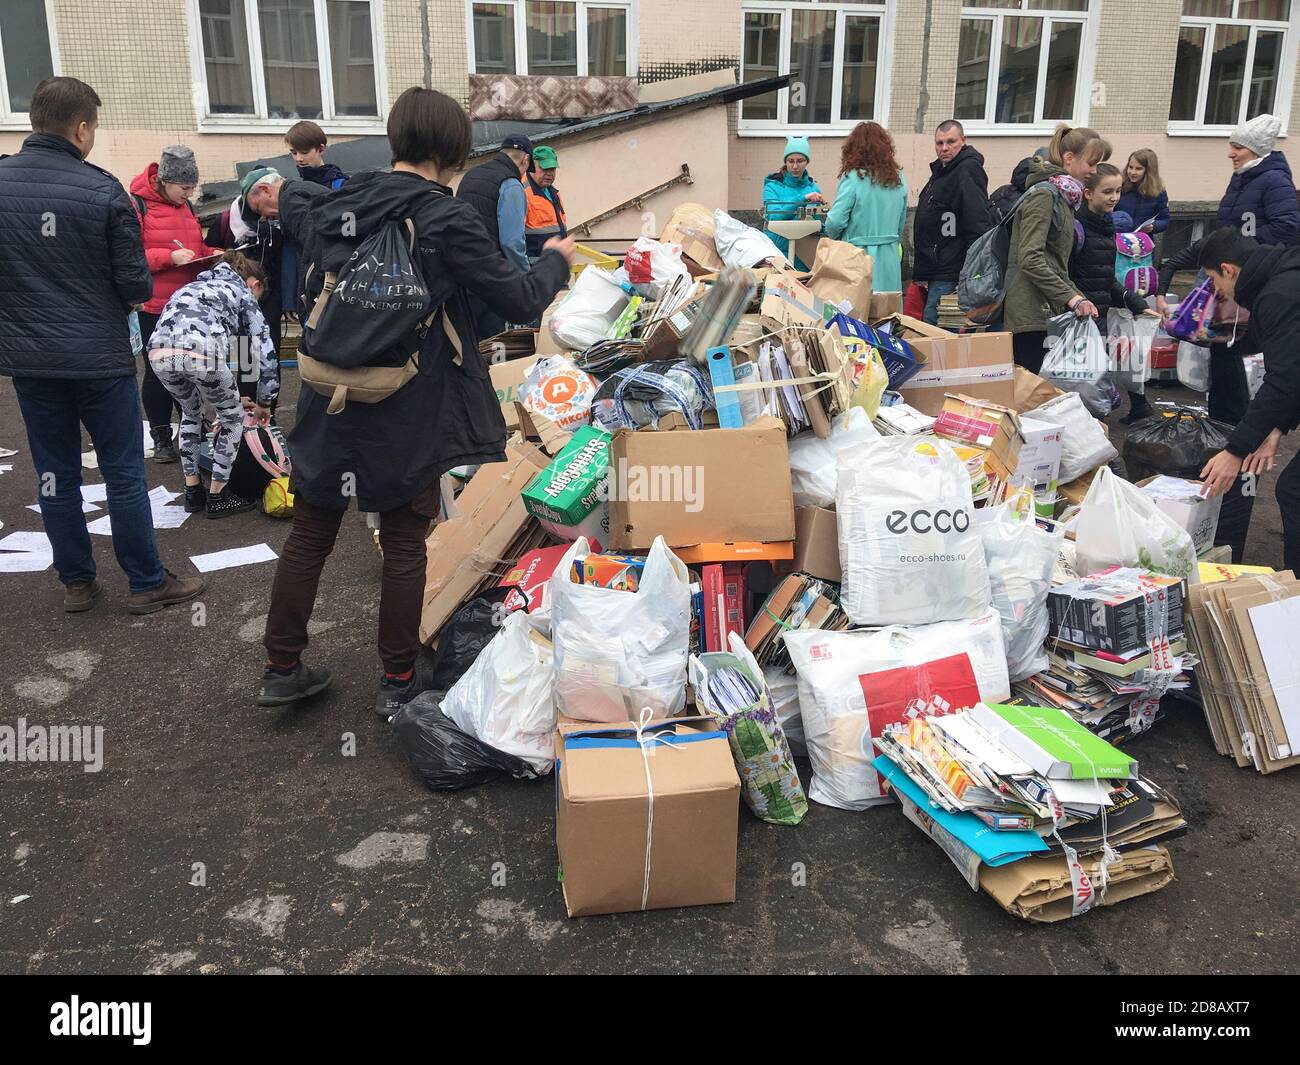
column 541, row 212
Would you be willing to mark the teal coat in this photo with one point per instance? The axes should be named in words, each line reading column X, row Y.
column 782, row 196
column 872, row 217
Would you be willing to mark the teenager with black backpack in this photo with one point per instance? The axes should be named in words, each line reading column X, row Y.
column 394, row 391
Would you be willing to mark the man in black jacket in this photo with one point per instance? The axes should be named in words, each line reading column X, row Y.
column 951, row 212
column 71, row 268
column 1265, row 280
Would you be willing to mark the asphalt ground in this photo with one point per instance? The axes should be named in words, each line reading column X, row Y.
column 223, row 838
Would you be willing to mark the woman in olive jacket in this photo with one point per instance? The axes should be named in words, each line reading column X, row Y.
column 1042, row 236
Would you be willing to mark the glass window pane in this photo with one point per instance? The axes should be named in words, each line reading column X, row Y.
column 1187, row 74
column 607, row 41
column 1063, row 48
column 1057, row 5
column 26, row 39
column 991, row 3
column 289, row 58
column 494, row 39
column 1263, row 75
column 1208, row 8
column 861, row 52
column 1265, row 10
column 352, row 58
column 973, row 69
column 812, row 64
column 1227, row 74
column 1018, row 69
column 226, row 59
column 552, row 37
column 761, row 60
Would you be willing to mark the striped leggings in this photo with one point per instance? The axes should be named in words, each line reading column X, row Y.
column 191, row 379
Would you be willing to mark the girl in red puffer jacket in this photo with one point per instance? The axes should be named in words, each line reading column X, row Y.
column 173, row 241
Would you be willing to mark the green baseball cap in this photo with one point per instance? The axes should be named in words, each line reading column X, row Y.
column 545, row 158
column 257, row 176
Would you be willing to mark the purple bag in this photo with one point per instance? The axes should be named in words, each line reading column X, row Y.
column 1194, row 319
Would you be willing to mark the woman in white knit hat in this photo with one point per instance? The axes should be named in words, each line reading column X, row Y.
column 1260, row 199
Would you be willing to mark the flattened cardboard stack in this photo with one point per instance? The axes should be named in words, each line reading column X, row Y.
column 1246, row 633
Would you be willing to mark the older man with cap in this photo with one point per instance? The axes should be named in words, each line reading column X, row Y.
column 545, row 218
column 495, row 190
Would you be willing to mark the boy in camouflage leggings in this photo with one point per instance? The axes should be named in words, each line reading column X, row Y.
column 205, row 325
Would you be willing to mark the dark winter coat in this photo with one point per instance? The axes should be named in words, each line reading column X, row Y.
column 389, row 452
column 951, row 212
column 480, row 187
column 326, row 174
column 1263, row 199
column 1269, row 288
column 1153, row 209
column 1092, row 265
column 71, row 265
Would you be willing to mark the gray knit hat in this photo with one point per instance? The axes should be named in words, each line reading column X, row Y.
column 178, row 166
column 1258, row 134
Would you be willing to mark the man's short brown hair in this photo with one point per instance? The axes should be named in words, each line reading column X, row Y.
column 304, row 136
column 426, row 125
column 60, row 105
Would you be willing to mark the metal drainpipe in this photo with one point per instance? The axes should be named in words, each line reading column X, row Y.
column 424, row 44
column 923, row 97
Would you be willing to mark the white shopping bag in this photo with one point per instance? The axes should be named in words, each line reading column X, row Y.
column 1120, row 525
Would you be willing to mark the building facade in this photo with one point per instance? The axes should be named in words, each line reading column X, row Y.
column 229, row 76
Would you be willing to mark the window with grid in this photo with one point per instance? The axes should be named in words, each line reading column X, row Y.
column 563, row 37
column 26, row 53
column 1230, row 61
column 1020, row 62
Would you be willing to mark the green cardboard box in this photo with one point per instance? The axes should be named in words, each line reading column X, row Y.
column 569, row 497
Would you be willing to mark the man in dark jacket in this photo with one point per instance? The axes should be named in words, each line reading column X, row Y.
column 495, row 190
column 71, row 268
column 951, row 212
column 1265, row 280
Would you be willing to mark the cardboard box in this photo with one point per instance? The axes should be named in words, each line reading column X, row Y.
column 1106, row 611
column 977, row 422
column 1182, row 500
column 884, row 305
column 1039, row 465
column 975, row 364
column 568, row 497
column 506, row 379
column 465, row 552
column 1038, row 888
column 817, row 543
column 745, row 551
column 910, row 328
column 530, row 577
column 707, row 486
column 691, row 226
column 786, row 302
column 613, row 858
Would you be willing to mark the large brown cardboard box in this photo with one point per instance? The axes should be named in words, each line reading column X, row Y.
column 699, row 487
column 614, row 855
column 1039, row 888
column 506, row 379
column 975, row 364
column 691, row 226
column 817, row 543
column 979, row 423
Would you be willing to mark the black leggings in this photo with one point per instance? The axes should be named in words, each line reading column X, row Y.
column 157, row 401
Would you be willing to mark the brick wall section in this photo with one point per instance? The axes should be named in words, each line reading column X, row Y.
column 448, row 47
column 906, row 78
column 681, row 37
column 1130, row 95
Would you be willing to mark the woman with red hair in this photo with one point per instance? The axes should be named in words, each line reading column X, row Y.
column 871, row 203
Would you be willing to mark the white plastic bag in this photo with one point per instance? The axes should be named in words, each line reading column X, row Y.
column 1021, row 557
column 618, row 652
column 1084, row 444
column 558, row 389
column 837, row 669
column 504, row 698
column 741, row 245
column 784, row 690
column 1120, row 525
column 1077, row 361
column 1130, row 338
column 908, row 549
column 651, row 266
column 590, row 309
column 812, row 459
column 1193, row 366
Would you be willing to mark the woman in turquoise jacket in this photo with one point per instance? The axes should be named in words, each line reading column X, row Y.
column 870, row 205
column 788, row 189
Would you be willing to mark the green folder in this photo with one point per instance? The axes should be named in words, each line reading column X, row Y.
column 1053, row 743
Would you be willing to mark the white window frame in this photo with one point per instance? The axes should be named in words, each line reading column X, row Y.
column 1285, row 76
column 20, row 120
column 260, row 121
column 781, row 126
column 631, row 7
column 1084, row 72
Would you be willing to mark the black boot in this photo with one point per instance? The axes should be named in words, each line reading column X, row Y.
column 280, row 687
column 224, row 503
column 164, row 451
column 196, row 499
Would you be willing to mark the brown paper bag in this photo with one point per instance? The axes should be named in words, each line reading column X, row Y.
column 840, row 272
column 1032, row 391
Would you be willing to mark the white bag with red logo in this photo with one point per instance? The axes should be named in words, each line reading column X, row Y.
column 853, row 684
column 908, row 545
column 652, row 266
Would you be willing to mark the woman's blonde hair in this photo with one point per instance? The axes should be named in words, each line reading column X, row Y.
column 1077, row 140
column 1151, row 186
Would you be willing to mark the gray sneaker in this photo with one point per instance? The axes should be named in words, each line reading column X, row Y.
column 279, row 689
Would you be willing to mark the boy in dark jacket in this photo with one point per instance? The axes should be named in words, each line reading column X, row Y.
column 71, row 268
column 307, row 143
column 1265, row 280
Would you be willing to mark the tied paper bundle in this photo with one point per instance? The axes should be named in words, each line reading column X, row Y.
column 731, row 689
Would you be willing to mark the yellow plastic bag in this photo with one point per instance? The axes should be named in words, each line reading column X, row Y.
column 869, row 374
column 277, row 500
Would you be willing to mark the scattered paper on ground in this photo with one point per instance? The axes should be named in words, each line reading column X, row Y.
column 90, row 461
column 7, row 452
column 94, row 493
column 164, row 516
column 25, row 552
column 235, row 556
column 86, row 508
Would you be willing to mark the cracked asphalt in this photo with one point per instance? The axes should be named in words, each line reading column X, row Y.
column 221, row 838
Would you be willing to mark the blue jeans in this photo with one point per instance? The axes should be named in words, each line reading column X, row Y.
column 54, row 410
column 935, row 291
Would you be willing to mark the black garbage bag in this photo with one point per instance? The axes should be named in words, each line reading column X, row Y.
column 442, row 754
column 1177, row 441
column 466, row 633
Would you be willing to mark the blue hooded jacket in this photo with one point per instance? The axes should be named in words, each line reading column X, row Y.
column 782, row 195
column 1264, row 195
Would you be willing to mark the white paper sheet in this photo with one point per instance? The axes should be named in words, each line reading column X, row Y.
column 94, row 493
column 164, row 516
column 90, row 461
column 1277, row 630
column 235, row 556
column 25, row 552
column 86, row 508
column 7, row 468
column 7, row 452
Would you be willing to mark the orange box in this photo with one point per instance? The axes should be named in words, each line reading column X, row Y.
column 741, row 551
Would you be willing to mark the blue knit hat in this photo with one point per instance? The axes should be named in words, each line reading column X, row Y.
column 797, row 146
column 1123, row 222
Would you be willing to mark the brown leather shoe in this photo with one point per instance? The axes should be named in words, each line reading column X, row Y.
column 81, row 595
column 173, row 589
